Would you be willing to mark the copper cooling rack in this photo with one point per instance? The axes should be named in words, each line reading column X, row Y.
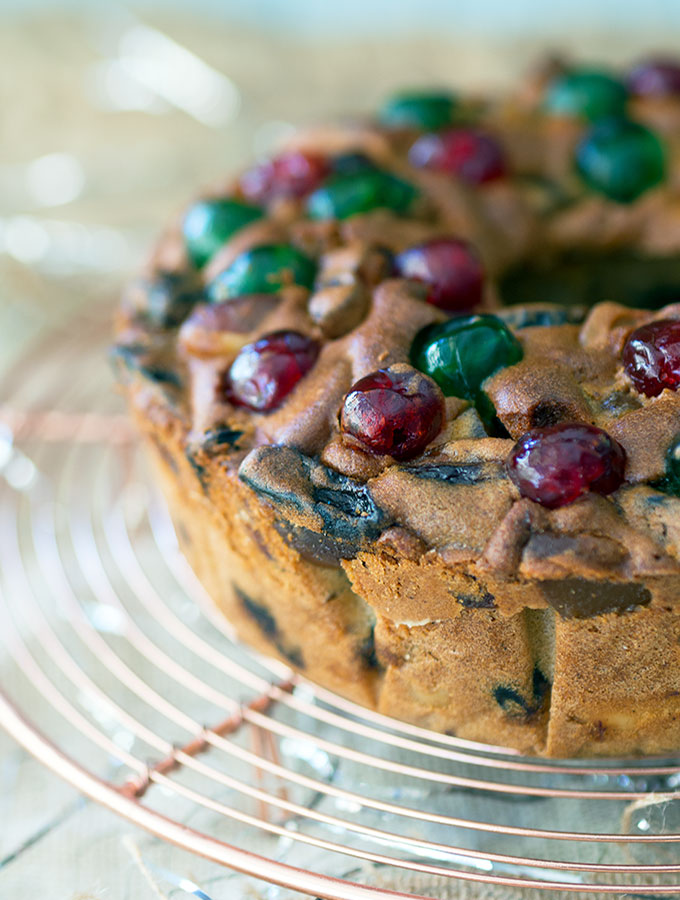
column 118, row 675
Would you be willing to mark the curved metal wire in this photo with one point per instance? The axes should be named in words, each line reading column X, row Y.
column 68, row 545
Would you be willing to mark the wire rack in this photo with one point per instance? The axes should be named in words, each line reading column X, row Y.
column 135, row 691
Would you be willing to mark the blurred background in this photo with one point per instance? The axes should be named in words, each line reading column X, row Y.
column 111, row 116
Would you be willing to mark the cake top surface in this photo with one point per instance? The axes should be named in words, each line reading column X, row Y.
column 454, row 329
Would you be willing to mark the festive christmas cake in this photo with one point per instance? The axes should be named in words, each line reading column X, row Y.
column 410, row 389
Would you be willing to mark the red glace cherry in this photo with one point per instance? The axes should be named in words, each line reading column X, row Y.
column 556, row 465
column 292, row 174
column 266, row 371
column 472, row 155
column 651, row 357
column 451, row 269
column 395, row 411
column 655, row 78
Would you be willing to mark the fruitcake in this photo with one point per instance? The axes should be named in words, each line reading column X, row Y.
column 410, row 388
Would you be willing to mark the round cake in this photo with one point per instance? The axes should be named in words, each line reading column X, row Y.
column 410, row 387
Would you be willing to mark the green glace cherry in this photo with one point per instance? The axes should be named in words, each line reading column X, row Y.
column 461, row 353
column 263, row 270
column 208, row 225
column 350, row 195
column 585, row 94
column 621, row 159
column 425, row 110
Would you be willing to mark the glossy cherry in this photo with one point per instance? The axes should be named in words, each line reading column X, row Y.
column 586, row 94
column 651, row 357
column 210, row 223
column 468, row 153
column 292, row 174
column 427, row 110
column 394, row 412
column 461, row 353
column 621, row 159
column 655, row 78
column 264, row 269
column 451, row 269
column 360, row 192
column 556, row 465
column 266, row 371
